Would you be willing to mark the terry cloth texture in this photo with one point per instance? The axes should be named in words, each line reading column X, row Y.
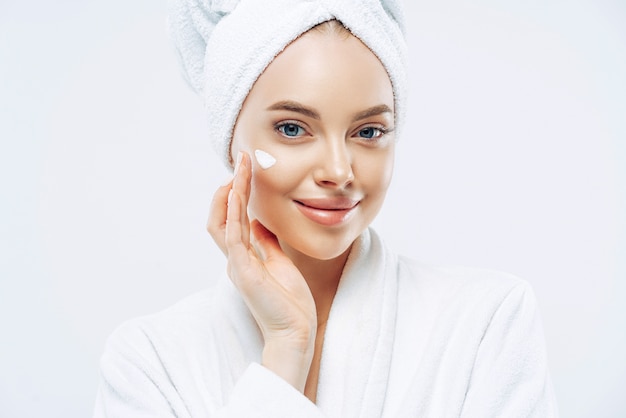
column 403, row 339
column 224, row 45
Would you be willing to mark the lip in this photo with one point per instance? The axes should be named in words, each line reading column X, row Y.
column 327, row 211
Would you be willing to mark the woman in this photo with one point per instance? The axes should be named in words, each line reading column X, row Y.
column 319, row 318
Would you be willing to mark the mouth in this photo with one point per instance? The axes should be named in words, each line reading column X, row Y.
column 327, row 211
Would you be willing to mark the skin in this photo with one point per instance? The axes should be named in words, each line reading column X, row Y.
column 324, row 109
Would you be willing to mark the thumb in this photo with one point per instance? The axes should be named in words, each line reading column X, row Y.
column 265, row 241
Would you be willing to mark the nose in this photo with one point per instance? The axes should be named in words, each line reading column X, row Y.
column 335, row 166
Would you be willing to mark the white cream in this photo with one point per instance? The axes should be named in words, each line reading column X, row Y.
column 264, row 159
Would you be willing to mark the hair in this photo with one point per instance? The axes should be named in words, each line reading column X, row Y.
column 332, row 27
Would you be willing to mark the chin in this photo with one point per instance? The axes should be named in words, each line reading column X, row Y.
column 328, row 255
column 321, row 248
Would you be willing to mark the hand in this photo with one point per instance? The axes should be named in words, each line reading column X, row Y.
column 271, row 286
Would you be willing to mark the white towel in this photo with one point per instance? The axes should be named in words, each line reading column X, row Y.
column 223, row 47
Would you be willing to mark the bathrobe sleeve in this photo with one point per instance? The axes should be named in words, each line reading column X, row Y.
column 136, row 381
column 510, row 377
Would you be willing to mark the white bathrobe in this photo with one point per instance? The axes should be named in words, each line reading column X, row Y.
column 402, row 340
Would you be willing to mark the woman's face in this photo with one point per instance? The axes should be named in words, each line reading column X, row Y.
column 324, row 110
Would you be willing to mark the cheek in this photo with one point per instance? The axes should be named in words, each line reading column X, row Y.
column 278, row 163
column 274, row 186
column 375, row 171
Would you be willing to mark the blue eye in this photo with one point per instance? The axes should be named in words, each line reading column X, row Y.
column 290, row 130
column 370, row 132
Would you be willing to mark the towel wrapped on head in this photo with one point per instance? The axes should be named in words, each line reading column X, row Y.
column 224, row 45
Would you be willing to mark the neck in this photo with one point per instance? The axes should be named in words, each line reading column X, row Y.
column 322, row 277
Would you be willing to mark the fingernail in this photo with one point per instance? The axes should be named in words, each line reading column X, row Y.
column 239, row 157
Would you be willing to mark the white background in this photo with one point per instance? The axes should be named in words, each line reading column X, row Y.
column 513, row 158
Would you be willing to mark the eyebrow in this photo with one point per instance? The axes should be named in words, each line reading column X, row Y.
column 293, row 106
column 372, row 111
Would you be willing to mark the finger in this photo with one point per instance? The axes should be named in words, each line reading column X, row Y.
column 248, row 179
column 241, row 186
column 236, row 249
column 216, row 224
column 266, row 241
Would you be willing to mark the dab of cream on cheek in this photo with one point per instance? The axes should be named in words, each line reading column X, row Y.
column 264, row 159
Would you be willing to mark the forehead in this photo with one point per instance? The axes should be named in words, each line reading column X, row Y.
column 318, row 68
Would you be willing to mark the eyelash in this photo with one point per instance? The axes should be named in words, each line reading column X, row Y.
column 381, row 132
column 279, row 127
